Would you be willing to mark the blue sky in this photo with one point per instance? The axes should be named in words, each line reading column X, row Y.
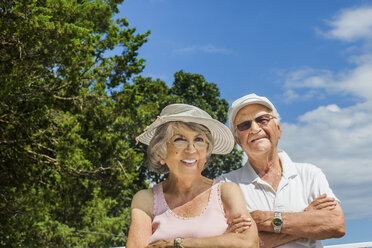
column 312, row 59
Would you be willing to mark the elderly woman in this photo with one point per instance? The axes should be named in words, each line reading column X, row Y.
column 188, row 209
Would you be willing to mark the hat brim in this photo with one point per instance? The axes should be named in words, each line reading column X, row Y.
column 222, row 137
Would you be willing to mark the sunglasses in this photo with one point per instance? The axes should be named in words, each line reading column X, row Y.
column 261, row 120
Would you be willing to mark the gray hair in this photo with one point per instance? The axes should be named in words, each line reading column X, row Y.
column 157, row 148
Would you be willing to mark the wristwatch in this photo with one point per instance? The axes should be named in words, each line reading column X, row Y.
column 277, row 222
column 178, row 243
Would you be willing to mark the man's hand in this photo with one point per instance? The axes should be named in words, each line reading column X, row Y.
column 238, row 224
column 263, row 220
column 162, row 244
column 322, row 202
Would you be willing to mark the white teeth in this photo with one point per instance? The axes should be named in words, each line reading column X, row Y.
column 189, row 161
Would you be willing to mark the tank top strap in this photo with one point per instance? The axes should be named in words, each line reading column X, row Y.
column 215, row 195
column 160, row 205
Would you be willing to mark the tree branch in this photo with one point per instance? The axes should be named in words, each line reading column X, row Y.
column 50, row 159
column 6, row 122
column 66, row 98
column 10, row 142
column 89, row 172
column 122, row 168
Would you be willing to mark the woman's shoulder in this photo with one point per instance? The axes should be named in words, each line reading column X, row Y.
column 143, row 199
column 143, row 194
column 229, row 188
column 232, row 198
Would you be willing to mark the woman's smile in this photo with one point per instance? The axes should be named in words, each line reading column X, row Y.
column 189, row 162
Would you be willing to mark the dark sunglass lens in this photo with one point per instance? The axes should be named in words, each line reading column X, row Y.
column 263, row 119
column 244, row 125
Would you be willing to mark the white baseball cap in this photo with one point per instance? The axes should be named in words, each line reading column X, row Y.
column 247, row 100
column 222, row 137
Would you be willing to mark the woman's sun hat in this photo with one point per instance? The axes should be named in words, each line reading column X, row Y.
column 222, row 137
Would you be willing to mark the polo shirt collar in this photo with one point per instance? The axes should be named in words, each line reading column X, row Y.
column 249, row 175
column 289, row 170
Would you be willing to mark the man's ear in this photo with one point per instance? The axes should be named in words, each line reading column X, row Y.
column 237, row 139
column 280, row 130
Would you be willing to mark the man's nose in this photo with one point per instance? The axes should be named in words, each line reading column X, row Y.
column 255, row 127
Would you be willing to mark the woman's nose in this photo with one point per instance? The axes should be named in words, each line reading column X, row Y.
column 190, row 147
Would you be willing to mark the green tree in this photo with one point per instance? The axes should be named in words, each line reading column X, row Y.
column 67, row 166
column 69, row 116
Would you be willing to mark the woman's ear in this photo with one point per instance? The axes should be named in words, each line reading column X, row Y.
column 162, row 161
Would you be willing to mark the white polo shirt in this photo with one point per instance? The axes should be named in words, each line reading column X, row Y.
column 300, row 184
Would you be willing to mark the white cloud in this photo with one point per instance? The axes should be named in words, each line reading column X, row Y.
column 204, row 48
column 308, row 77
column 290, row 95
column 338, row 139
column 352, row 24
column 357, row 81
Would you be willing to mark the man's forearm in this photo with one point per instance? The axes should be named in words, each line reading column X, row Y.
column 316, row 224
column 268, row 239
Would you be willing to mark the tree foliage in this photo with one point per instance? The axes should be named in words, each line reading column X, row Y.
column 69, row 116
column 68, row 171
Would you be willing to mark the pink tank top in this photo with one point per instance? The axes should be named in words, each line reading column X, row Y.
column 168, row 225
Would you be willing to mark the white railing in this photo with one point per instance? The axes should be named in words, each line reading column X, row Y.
column 353, row 245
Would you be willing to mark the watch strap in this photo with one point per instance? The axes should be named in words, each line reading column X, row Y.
column 277, row 222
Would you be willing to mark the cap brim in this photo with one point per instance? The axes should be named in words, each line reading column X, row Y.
column 246, row 103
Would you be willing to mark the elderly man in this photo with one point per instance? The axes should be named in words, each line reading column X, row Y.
column 291, row 202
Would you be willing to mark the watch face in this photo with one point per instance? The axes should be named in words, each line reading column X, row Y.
column 277, row 222
column 178, row 242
